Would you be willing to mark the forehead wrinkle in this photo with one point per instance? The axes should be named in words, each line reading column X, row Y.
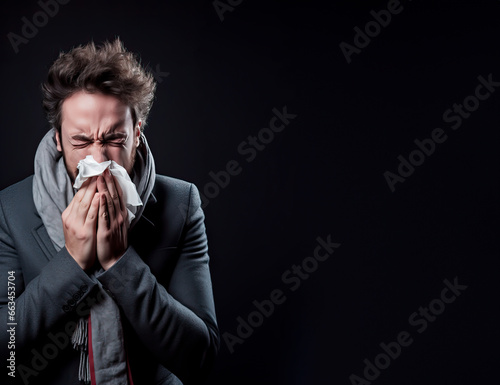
column 117, row 125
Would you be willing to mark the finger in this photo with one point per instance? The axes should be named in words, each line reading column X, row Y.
column 91, row 219
column 73, row 206
column 104, row 220
column 70, row 210
column 103, row 187
column 112, row 183
column 90, row 190
column 120, row 196
column 86, row 200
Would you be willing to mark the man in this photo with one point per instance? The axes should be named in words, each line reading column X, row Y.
column 101, row 298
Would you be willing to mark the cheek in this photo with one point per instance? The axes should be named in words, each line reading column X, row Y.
column 120, row 155
column 78, row 155
column 73, row 157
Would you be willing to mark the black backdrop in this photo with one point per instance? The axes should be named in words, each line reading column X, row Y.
column 322, row 175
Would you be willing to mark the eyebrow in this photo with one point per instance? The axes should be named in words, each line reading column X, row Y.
column 110, row 135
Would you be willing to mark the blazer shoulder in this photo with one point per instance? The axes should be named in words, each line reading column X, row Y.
column 173, row 189
column 177, row 199
column 17, row 207
column 18, row 195
column 22, row 187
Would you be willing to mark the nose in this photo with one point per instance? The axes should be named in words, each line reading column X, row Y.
column 99, row 152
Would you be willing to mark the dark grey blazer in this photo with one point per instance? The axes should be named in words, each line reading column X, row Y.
column 161, row 284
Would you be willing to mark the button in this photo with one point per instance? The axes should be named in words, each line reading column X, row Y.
column 109, row 293
column 77, row 296
column 84, row 288
column 66, row 308
column 71, row 302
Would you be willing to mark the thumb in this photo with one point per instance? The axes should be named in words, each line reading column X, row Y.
column 103, row 213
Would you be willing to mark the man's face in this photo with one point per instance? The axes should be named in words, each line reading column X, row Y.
column 98, row 125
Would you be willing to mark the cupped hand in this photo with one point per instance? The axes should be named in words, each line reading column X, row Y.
column 113, row 224
column 79, row 224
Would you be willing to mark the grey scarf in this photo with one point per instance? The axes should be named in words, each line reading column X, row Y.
column 52, row 193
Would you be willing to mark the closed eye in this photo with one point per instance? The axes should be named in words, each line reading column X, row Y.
column 81, row 144
column 115, row 143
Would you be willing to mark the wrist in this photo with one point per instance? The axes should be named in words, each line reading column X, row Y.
column 85, row 265
column 110, row 262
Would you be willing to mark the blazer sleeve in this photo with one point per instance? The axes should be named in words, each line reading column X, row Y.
column 40, row 305
column 178, row 325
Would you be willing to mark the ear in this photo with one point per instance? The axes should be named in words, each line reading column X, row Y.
column 137, row 133
column 58, row 142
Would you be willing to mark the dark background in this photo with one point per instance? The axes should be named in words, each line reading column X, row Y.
column 322, row 175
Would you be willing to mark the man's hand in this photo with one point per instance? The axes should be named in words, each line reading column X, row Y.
column 112, row 227
column 79, row 224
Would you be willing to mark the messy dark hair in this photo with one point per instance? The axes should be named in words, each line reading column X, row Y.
column 108, row 69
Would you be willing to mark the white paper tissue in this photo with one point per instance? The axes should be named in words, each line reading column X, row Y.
column 89, row 167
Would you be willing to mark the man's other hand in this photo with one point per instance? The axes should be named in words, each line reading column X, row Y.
column 113, row 224
column 79, row 224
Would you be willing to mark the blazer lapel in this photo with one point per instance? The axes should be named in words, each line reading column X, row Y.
column 42, row 237
column 146, row 221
